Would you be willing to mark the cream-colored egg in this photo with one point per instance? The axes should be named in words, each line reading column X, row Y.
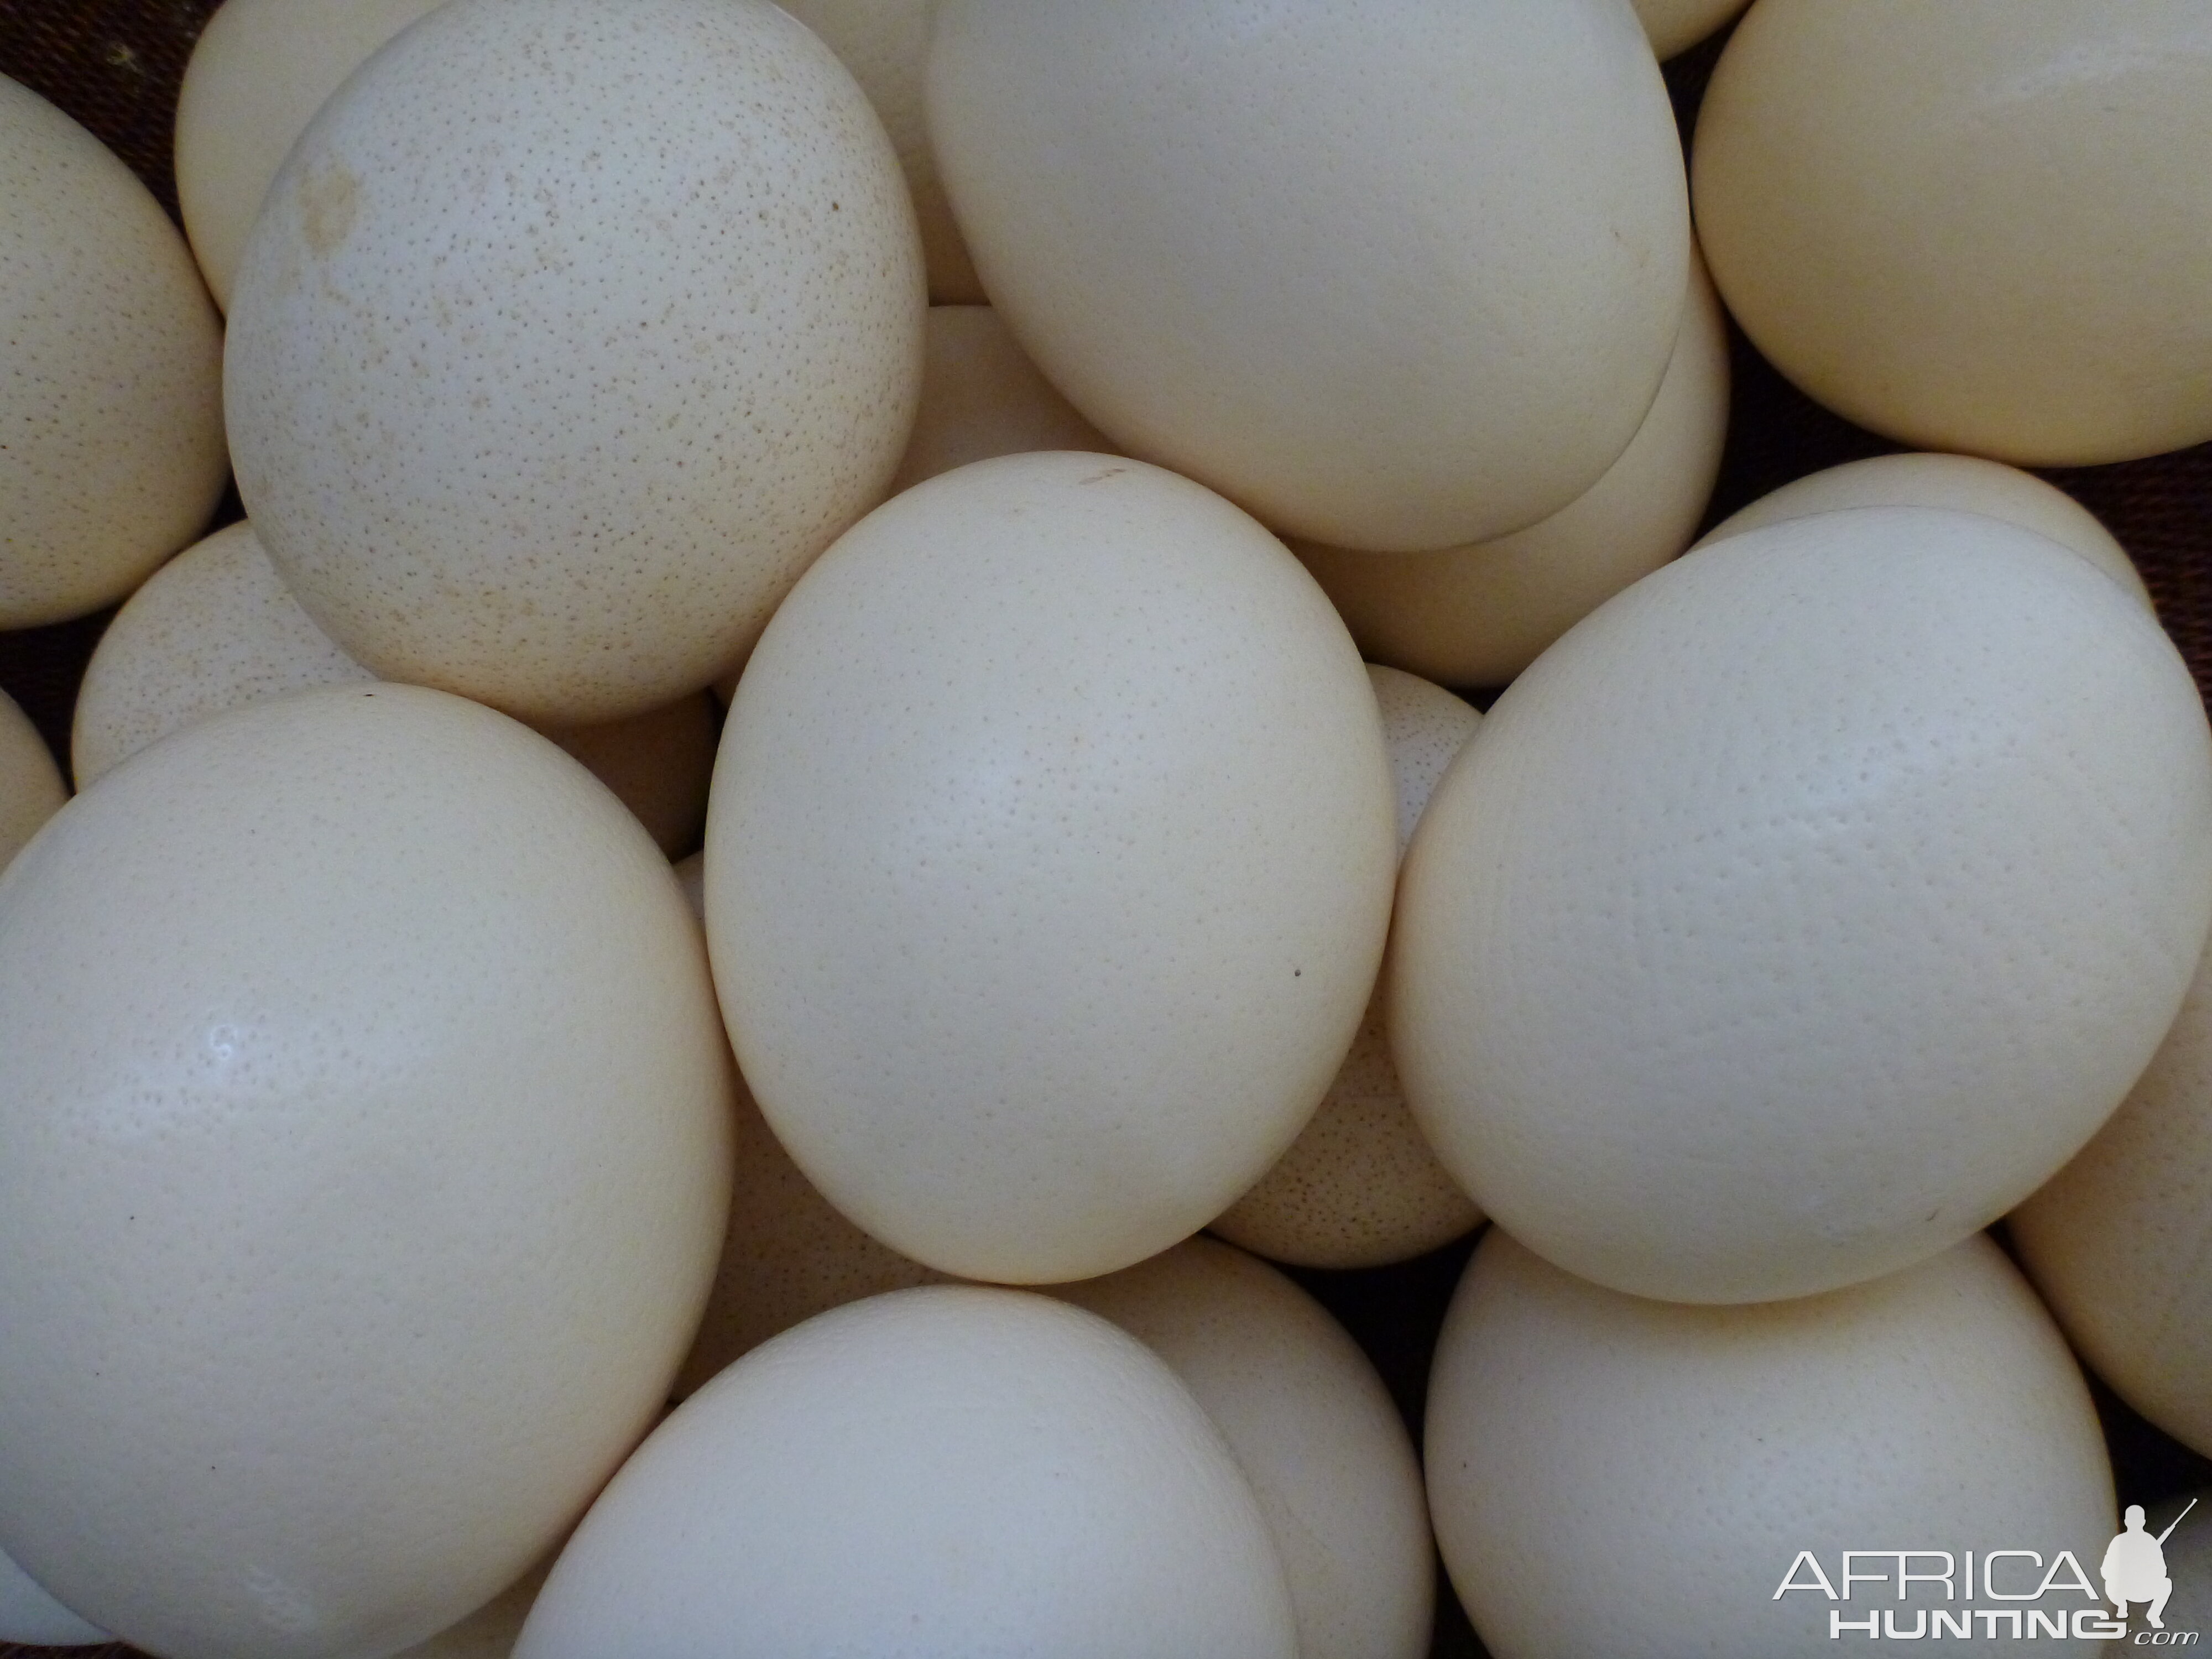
column 1478, row 615
column 259, row 72
column 1059, row 780
column 1360, row 1186
column 885, row 43
column 29, row 1615
column 937, row 1472
column 1311, row 1426
column 566, row 337
column 1610, row 1475
column 1806, row 906
column 1977, row 226
column 1964, row 483
column 1389, row 280
column 216, row 629
column 982, row 396
column 31, row 787
column 368, row 1142
column 111, row 390
column 2117, row 1241
column 1675, row 26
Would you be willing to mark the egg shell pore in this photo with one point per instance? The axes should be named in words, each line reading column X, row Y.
column 979, row 1471
column 1694, row 1451
column 368, row 1139
column 1806, row 906
column 566, row 337
column 1097, row 849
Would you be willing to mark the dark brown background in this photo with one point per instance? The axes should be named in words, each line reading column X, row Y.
column 115, row 65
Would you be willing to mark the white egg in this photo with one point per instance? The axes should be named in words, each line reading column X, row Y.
column 1311, row 1426
column 1806, row 906
column 1360, row 1186
column 368, row 1142
column 567, row 338
column 2117, row 1241
column 937, row 1472
column 111, row 395
column 1964, row 483
column 1390, row 276
column 259, row 72
column 1611, row 1475
column 1478, row 615
column 982, row 396
column 31, row 787
column 1977, row 226
column 1057, row 779
column 29, row 1615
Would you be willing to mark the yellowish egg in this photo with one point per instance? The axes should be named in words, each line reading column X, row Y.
column 1058, row 779
column 368, row 1143
column 112, row 396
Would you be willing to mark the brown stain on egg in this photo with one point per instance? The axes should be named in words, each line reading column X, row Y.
column 330, row 202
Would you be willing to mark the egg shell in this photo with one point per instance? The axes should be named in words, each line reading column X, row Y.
column 1478, row 615
column 1976, row 227
column 2117, row 1241
column 948, row 1471
column 885, row 43
column 1964, row 483
column 216, row 629
column 111, row 391
column 492, row 1630
column 566, row 337
column 1282, row 249
column 1611, row 1476
column 29, row 1615
column 981, row 397
column 257, row 74
column 368, row 1142
column 1807, row 906
column 1675, row 26
column 1059, row 779
column 31, row 787
column 1312, row 1427
column 1360, row 1186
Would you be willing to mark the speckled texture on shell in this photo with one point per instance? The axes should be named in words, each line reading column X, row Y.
column 111, row 387
column 885, row 44
column 368, row 1129
column 1980, row 226
column 2117, row 1242
column 1807, row 906
column 1609, row 1475
column 1312, row 1427
column 29, row 1615
column 259, row 72
column 1059, row 779
column 981, row 397
column 1675, row 26
column 1395, row 274
column 1964, row 483
column 947, row 1473
column 31, row 787
column 1478, row 615
column 1360, row 1186
column 568, row 337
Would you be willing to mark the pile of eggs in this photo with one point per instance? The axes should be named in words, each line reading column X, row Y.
column 996, row 490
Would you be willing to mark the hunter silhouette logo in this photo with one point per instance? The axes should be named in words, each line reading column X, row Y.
column 2134, row 1568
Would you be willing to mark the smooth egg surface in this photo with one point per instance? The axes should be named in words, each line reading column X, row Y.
column 2117, row 1241
column 110, row 391
column 941, row 1473
column 368, row 1146
column 1312, row 1427
column 1806, row 906
column 29, row 1615
column 567, row 338
column 1478, row 615
column 1397, row 274
column 31, row 787
column 1360, row 1186
column 1611, row 1476
column 1060, row 780
column 1978, row 226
